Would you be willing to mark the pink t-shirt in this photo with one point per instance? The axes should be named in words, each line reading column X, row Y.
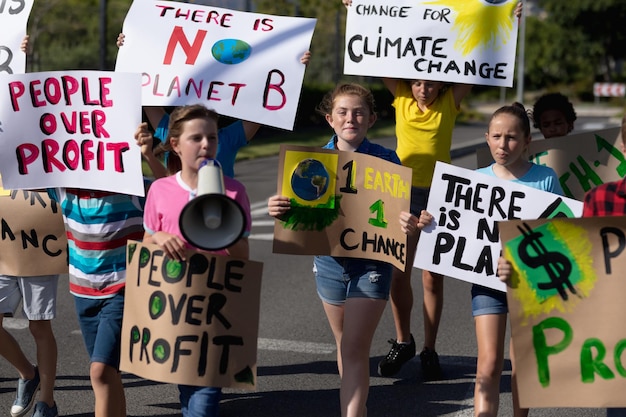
column 167, row 198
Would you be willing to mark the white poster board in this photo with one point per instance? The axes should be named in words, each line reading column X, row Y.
column 13, row 21
column 463, row 240
column 71, row 129
column 470, row 42
column 243, row 65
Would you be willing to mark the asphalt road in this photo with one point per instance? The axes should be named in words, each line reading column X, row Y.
column 297, row 373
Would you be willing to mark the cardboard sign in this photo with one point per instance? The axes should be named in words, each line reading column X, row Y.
column 193, row 322
column 582, row 161
column 342, row 204
column 33, row 236
column 13, row 20
column 243, row 65
column 470, row 42
column 71, row 129
column 463, row 241
column 567, row 310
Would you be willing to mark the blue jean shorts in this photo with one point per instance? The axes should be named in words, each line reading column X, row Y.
column 101, row 324
column 488, row 301
column 199, row 401
column 419, row 199
column 341, row 278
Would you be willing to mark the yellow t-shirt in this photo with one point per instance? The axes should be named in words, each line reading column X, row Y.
column 423, row 137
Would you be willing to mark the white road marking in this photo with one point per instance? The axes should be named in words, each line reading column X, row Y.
column 15, row 324
column 261, row 236
column 296, row 346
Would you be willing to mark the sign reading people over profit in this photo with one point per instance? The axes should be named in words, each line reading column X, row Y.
column 463, row 241
column 243, row 65
column 71, row 129
column 33, row 236
column 465, row 41
column 194, row 322
column 581, row 161
column 13, row 19
column 342, row 204
column 566, row 303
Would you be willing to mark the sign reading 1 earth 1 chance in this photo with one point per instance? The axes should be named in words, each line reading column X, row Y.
column 468, row 41
column 342, row 204
column 243, row 65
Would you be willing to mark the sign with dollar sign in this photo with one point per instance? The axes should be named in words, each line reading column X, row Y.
column 566, row 305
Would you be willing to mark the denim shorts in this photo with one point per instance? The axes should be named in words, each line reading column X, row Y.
column 199, row 401
column 341, row 278
column 488, row 301
column 419, row 199
column 101, row 324
column 38, row 296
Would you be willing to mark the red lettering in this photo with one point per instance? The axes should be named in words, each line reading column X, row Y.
column 98, row 119
column 35, row 93
column 70, row 126
column 16, row 90
column 104, row 92
column 71, row 154
column 191, row 50
column 27, row 153
column 48, row 123
column 50, row 148
column 70, row 86
column 88, row 155
column 52, row 90
column 84, row 122
column 277, row 88
column 118, row 149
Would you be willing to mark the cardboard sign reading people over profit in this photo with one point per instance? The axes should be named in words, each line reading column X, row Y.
column 194, row 322
column 33, row 236
column 581, row 161
column 71, row 129
column 342, row 204
column 243, row 65
column 460, row 41
column 566, row 304
column 463, row 241
column 13, row 20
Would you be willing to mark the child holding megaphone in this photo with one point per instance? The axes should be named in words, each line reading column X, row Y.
column 192, row 140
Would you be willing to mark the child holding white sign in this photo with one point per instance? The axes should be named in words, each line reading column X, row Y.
column 354, row 292
column 38, row 297
column 98, row 225
column 193, row 139
column 508, row 137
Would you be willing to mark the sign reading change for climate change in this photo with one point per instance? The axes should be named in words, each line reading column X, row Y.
column 342, row 204
column 465, row 41
column 194, row 322
column 463, row 241
column 243, row 65
column 566, row 304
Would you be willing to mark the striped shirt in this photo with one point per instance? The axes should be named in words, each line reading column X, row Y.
column 98, row 225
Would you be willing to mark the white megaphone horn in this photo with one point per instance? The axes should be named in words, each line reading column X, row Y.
column 212, row 220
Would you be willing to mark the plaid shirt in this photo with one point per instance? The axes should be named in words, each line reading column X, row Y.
column 606, row 200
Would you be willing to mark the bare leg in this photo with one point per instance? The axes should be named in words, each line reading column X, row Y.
column 360, row 316
column 11, row 351
column 108, row 389
column 432, row 307
column 46, row 358
column 490, row 332
column 402, row 295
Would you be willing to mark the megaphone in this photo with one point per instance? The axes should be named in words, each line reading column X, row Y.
column 212, row 220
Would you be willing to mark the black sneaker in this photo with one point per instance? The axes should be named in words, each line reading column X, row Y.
column 398, row 355
column 431, row 370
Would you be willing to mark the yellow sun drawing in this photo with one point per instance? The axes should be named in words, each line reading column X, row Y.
column 480, row 22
